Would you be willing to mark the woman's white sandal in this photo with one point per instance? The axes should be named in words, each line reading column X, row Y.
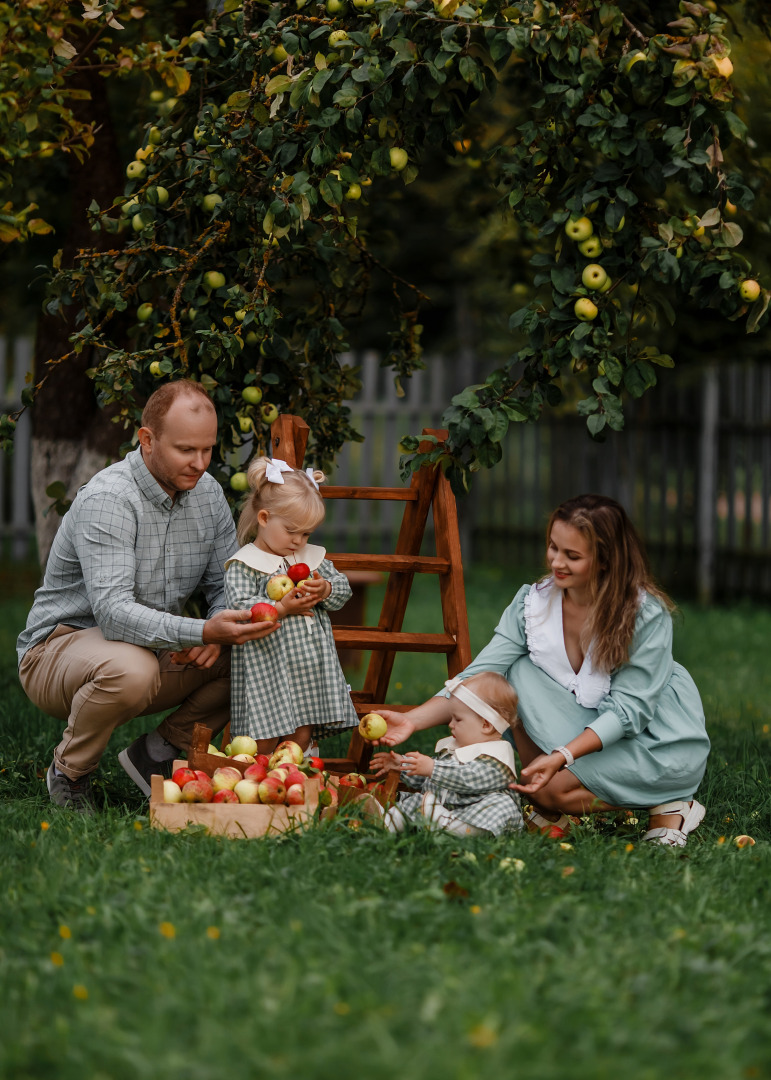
column 692, row 814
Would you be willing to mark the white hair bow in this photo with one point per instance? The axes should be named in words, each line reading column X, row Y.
column 309, row 473
column 481, row 708
column 275, row 468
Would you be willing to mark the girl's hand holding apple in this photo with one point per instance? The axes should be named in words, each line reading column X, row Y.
column 316, row 587
column 296, row 603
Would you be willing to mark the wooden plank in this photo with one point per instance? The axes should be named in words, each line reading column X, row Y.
column 376, row 494
column 289, row 438
column 416, row 564
column 451, row 587
column 391, row 640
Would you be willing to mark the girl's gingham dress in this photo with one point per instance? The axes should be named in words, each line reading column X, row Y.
column 292, row 677
column 472, row 782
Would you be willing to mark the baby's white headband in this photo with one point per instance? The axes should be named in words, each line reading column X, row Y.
column 276, row 467
column 481, row 708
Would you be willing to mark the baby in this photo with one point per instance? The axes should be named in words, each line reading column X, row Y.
column 464, row 790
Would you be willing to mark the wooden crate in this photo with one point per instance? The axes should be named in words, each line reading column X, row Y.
column 231, row 819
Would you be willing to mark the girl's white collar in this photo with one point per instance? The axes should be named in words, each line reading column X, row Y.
column 265, row 563
column 497, row 748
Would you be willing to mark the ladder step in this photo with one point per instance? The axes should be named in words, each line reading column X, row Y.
column 409, row 564
column 363, row 706
column 376, row 494
column 388, row 641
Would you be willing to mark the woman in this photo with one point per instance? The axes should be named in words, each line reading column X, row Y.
column 607, row 719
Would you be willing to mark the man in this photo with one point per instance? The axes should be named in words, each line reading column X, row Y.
column 106, row 640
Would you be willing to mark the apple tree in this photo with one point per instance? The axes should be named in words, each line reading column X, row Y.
column 238, row 251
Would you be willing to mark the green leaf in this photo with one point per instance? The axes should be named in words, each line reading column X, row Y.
column 639, row 377
column 279, row 84
column 595, row 423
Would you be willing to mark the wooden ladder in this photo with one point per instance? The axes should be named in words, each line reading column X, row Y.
column 428, row 490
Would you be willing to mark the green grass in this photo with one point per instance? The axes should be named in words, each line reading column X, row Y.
column 346, row 952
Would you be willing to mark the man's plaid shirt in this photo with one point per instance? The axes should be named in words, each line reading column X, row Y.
column 126, row 558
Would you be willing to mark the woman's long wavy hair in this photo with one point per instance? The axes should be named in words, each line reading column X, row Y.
column 620, row 569
column 297, row 500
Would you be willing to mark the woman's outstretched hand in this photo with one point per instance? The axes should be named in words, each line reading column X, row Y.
column 400, row 727
column 538, row 773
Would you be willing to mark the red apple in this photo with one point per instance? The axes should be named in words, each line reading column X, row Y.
column 294, row 748
column 299, row 572
column 318, row 763
column 264, row 613
column 197, row 791
column 295, row 795
column 294, row 776
column 225, row 778
column 225, row 795
column 262, row 759
column 272, row 790
column 182, row 776
column 353, row 779
column 256, row 772
column 201, row 775
column 279, row 774
column 247, row 791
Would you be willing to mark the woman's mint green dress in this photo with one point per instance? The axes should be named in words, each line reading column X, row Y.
column 647, row 714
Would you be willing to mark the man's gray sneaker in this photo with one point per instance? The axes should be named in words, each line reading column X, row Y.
column 140, row 766
column 70, row 794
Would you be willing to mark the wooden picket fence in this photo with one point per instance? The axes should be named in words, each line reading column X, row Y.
column 693, row 469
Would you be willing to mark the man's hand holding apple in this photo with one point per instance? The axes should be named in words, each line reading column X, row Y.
column 235, row 627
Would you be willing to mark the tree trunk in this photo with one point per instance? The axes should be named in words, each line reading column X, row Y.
column 72, row 438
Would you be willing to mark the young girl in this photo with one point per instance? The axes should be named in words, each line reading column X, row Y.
column 465, row 789
column 290, row 683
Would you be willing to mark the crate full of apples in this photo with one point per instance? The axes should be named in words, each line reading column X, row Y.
column 251, row 795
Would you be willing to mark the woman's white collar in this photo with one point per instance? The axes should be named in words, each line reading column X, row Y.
column 265, row 563
column 546, row 646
